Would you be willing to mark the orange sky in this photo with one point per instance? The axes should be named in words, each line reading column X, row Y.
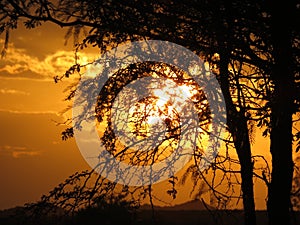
column 33, row 159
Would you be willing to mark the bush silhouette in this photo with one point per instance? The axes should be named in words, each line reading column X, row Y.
column 112, row 211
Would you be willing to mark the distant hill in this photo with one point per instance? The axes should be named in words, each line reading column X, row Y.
column 189, row 213
column 10, row 211
column 22, row 209
column 193, row 205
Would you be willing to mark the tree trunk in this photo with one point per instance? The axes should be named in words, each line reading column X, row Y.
column 279, row 204
column 236, row 120
column 282, row 163
column 237, row 125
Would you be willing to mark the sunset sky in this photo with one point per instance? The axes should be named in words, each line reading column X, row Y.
column 33, row 158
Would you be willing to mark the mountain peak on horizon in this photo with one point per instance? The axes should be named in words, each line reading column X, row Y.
column 192, row 205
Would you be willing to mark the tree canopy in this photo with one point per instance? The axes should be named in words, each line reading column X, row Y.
column 249, row 46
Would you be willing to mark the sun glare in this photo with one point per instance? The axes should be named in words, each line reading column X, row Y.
column 150, row 114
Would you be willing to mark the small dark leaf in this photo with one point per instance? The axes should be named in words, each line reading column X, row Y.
column 259, row 123
column 265, row 133
column 172, row 182
column 298, row 147
column 297, row 135
column 68, row 133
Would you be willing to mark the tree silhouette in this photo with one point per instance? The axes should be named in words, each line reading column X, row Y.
column 87, row 198
column 250, row 63
column 281, row 136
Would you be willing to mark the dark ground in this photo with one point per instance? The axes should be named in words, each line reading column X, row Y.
column 232, row 217
column 161, row 217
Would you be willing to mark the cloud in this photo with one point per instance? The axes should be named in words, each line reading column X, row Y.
column 13, row 92
column 30, row 112
column 19, row 154
column 19, row 63
column 18, row 151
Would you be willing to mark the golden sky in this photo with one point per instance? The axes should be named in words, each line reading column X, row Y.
column 33, row 158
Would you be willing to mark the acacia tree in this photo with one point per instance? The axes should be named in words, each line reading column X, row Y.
column 172, row 25
column 237, row 31
column 283, row 107
column 163, row 21
column 276, row 57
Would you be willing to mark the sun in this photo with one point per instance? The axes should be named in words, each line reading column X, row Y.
column 148, row 115
column 156, row 112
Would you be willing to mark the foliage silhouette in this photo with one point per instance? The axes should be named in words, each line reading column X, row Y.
column 242, row 42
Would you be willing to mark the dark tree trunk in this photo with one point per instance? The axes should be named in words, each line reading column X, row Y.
column 237, row 125
column 279, row 204
column 236, row 120
column 282, row 163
